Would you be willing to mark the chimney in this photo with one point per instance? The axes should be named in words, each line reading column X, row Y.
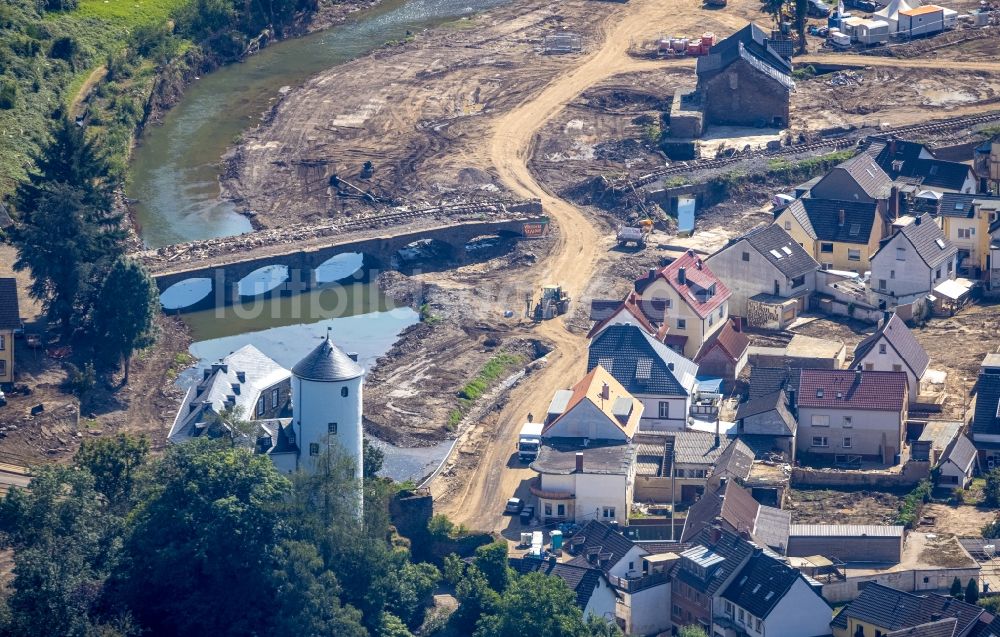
column 241, row 376
column 353, row 356
column 682, row 276
column 738, row 324
column 885, row 317
column 893, row 203
column 716, row 534
column 697, row 264
column 892, row 147
column 723, row 481
column 579, row 462
column 840, row 216
column 916, row 221
column 605, row 392
column 652, row 273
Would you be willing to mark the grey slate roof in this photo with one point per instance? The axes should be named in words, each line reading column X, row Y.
column 775, row 245
column 823, row 216
column 767, row 380
column 987, row 419
column 927, row 239
column 622, row 349
column 582, row 580
column 773, row 526
column 597, row 538
column 751, row 41
column 868, row 175
column 898, row 336
column 940, row 628
column 733, row 550
column 761, row 584
column 10, row 314
column 736, row 460
column 962, row 453
column 931, row 173
column 327, row 363
column 652, row 309
column 558, row 456
column 894, row 610
column 698, row 447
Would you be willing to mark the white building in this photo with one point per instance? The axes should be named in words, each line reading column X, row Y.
column 767, row 597
column 696, row 301
column 893, row 348
column 912, row 262
column 297, row 420
column 765, row 261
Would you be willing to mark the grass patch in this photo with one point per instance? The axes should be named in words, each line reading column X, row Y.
column 990, row 132
column 676, row 182
column 494, row 369
column 913, row 504
column 128, row 12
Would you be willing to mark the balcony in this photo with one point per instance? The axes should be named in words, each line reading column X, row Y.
column 636, row 584
column 535, row 486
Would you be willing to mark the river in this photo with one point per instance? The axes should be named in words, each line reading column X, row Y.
column 174, row 180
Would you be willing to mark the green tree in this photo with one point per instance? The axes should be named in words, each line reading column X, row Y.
column 491, row 560
column 200, row 548
column 956, row 588
column 476, row 599
column 991, row 492
column 308, row 601
column 972, row 592
column 773, row 8
column 125, row 314
column 65, row 542
column 602, row 627
column 113, row 463
column 392, row 626
column 538, row 605
column 691, row 630
column 373, row 458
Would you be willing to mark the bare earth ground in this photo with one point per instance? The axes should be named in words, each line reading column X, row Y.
column 828, row 506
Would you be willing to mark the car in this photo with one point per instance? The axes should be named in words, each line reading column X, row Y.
column 514, row 506
column 818, row 9
column 527, row 513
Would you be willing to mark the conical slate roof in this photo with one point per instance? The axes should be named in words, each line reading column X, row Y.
column 327, row 363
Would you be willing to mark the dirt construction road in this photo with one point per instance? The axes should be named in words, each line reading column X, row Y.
column 572, row 261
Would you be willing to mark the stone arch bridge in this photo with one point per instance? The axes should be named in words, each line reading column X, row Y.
column 304, row 248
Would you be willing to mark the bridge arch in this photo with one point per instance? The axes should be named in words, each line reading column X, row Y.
column 186, row 294
column 339, row 267
column 263, row 280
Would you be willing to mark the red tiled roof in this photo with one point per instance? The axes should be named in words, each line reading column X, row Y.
column 630, row 304
column 732, row 341
column 852, row 389
column 697, row 277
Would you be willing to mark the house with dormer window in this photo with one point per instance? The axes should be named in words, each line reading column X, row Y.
column 912, row 262
column 696, row 301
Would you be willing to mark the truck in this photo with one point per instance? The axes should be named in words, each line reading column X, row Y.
column 636, row 234
column 528, row 441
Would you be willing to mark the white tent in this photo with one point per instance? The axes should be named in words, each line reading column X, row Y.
column 890, row 13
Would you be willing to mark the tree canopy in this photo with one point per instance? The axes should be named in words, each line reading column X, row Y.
column 125, row 313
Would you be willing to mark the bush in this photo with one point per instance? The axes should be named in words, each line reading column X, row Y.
column 64, row 48
column 913, row 504
column 972, row 592
column 991, row 530
column 8, row 93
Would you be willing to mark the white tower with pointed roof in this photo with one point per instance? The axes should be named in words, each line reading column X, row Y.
column 327, row 404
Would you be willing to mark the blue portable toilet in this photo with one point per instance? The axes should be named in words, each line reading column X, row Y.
column 557, row 539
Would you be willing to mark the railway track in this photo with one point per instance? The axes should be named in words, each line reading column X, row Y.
column 832, row 143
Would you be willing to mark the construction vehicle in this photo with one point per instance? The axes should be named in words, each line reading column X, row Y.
column 553, row 302
column 636, row 234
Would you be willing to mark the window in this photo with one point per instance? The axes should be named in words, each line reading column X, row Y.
column 561, row 510
column 3, row 342
column 275, row 395
column 722, row 311
column 826, row 247
column 827, row 266
column 681, row 324
column 869, row 367
column 820, row 420
column 261, row 406
column 699, row 473
column 664, row 409
column 881, row 284
column 313, row 448
column 853, row 255
column 848, row 421
column 900, row 254
column 343, row 392
column 677, row 611
column 881, row 348
column 937, row 273
column 742, row 617
column 799, row 280
column 897, row 368
column 892, row 274
column 820, row 441
column 950, row 264
column 847, row 442
column 548, row 508
column 788, row 224
column 680, row 473
column 710, row 320
column 608, row 513
column 331, row 428
column 745, row 256
column 3, row 368
column 819, row 393
column 758, row 624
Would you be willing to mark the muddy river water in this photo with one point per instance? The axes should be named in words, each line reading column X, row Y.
column 174, row 178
